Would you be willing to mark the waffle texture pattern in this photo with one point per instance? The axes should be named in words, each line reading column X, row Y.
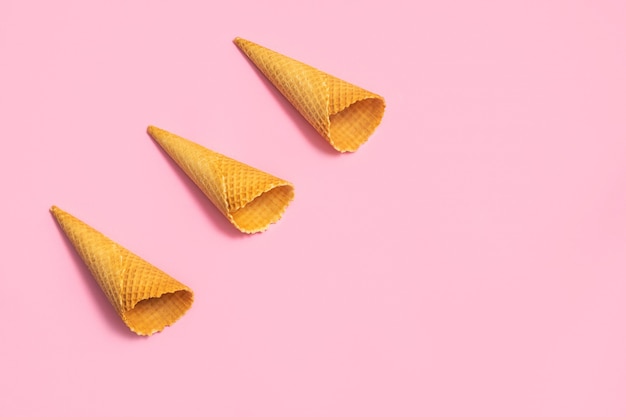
column 251, row 199
column 146, row 298
column 344, row 114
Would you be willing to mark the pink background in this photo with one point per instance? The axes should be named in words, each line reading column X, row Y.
column 469, row 260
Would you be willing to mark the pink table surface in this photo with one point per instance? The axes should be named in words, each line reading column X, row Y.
column 469, row 260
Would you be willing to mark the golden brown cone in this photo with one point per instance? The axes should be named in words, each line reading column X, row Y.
column 251, row 199
column 146, row 298
column 344, row 114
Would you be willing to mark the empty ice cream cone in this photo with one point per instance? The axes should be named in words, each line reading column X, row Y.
column 344, row 114
column 251, row 199
column 146, row 298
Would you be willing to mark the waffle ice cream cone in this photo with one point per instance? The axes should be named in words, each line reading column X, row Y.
column 251, row 199
column 344, row 114
column 146, row 298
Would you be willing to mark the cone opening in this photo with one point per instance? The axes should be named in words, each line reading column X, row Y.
column 154, row 314
column 265, row 209
column 352, row 126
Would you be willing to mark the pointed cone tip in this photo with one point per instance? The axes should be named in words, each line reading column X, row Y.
column 156, row 133
column 151, row 130
column 55, row 211
column 244, row 44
